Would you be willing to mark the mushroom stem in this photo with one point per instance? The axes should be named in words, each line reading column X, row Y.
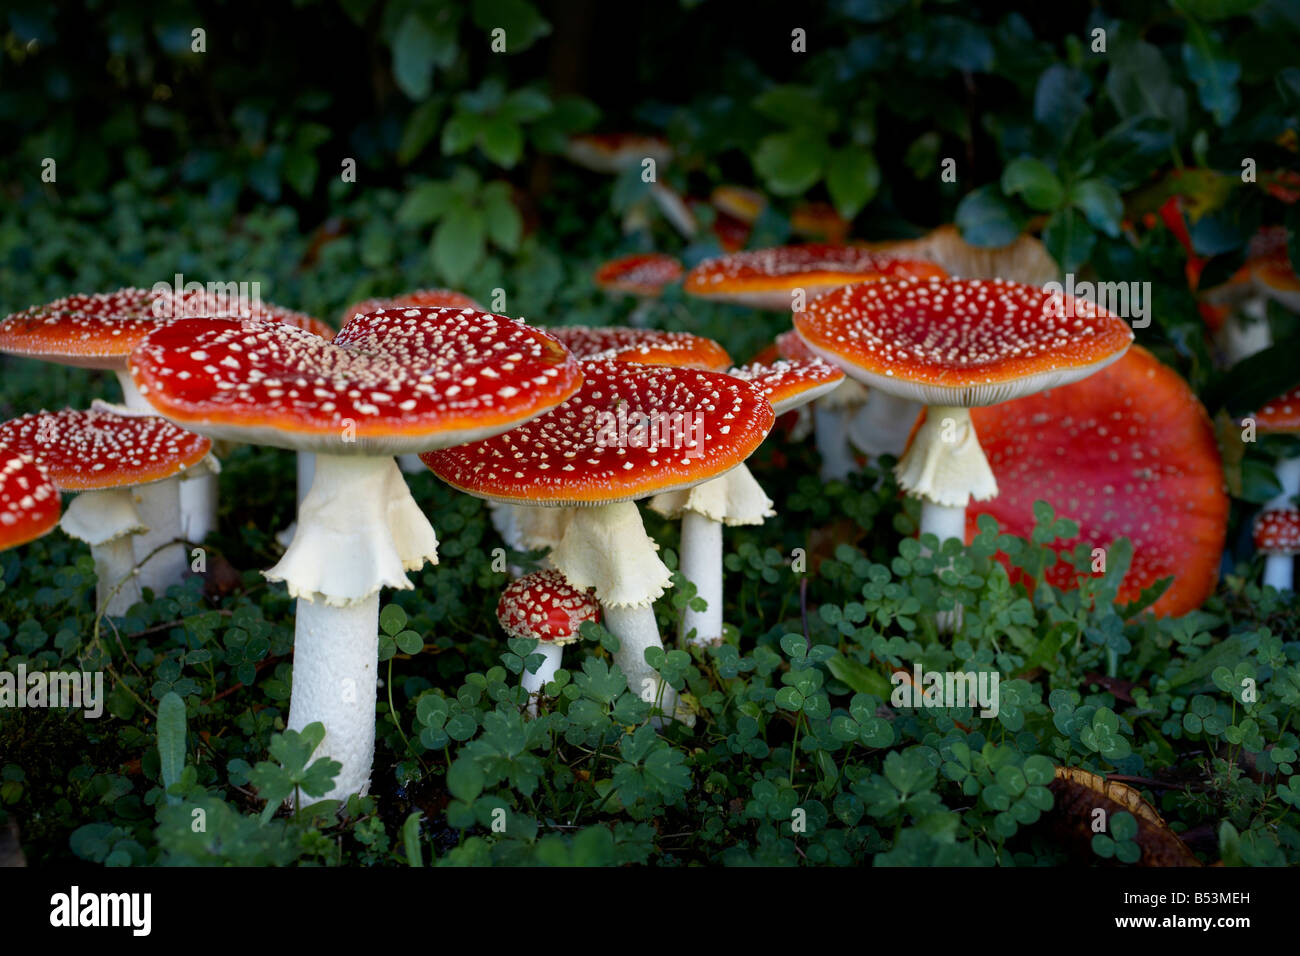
column 1288, row 476
column 198, row 499
column 335, row 669
column 1247, row 330
column 701, row 564
column 108, row 521
column 1278, row 571
column 159, row 504
column 535, row 683
column 637, row 631
column 882, row 424
column 306, row 471
column 945, row 463
column 411, row 464
column 943, row 521
column 831, row 424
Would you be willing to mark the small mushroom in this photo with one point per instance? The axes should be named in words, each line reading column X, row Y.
column 543, row 606
column 1277, row 536
column 106, row 454
column 29, row 502
column 1266, row 274
column 612, row 153
column 643, row 275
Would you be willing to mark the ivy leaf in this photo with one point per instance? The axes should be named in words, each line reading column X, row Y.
column 458, row 243
column 852, row 177
column 414, row 49
column 1100, row 203
column 791, row 162
column 1069, row 239
column 985, row 218
column 1034, row 180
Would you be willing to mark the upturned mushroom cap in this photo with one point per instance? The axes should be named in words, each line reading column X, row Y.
column 391, row 382
column 29, row 502
column 431, row 298
column 1281, row 416
column 764, row 278
column 1267, row 271
column 101, row 330
column 1024, row 260
column 642, row 274
column 614, row 152
column 103, row 448
column 575, row 454
column 1277, row 531
column 543, row 606
column 787, row 385
column 961, row 342
column 645, row 346
column 1128, row 452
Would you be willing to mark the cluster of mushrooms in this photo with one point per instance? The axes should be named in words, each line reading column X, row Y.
column 953, row 359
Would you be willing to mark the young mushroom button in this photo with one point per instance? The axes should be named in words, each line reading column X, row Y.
column 544, row 607
column 393, row 381
column 1277, row 537
column 631, row 432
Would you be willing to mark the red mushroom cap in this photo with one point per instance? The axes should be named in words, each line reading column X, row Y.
column 581, row 453
column 1278, row 532
column 88, row 450
column 545, row 607
column 393, row 381
column 765, row 277
column 792, row 348
column 101, row 330
column 1281, row 416
column 964, row 342
column 818, row 220
column 29, row 502
column 643, row 274
column 738, row 203
column 1129, row 452
column 788, row 385
column 645, row 346
column 432, row 298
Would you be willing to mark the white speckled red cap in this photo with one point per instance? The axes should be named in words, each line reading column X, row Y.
column 789, row 385
column 431, row 298
column 89, row 450
column 961, row 342
column 647, row 346
column 545, row 607
column 643, row 274
column 100, row 330
column 1280, row 416
column 1278, row 532
column 391, row 382
column 573, row 455
column 765, row 278
column 29, row 502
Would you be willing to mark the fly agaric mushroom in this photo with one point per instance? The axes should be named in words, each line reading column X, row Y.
column 1128, row 452
column 392, row 381
column 631, row 432
column 953, row 344
column 612, row 153
column 1277, row 536
column 544, row 607
column 818, row 221
column 1267, row 274
column 1281, row 416
column 105, row 454
column 527, row 528
column 735, row 498
column 29, row 502
column 1023, row 260
column 643, row 275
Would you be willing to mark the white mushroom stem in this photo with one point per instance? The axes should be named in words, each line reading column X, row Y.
column 831, row 426
column 605, row 548
column 1288, row 476
column 359, row 530
column 160, row 508
column 734, row 498
column 1246, row 330
column 335, row 676
column 674, row 209
column 1279, row 570
column 107, row 520
column 535, row 683
column 306, row 471
column 411, row 464
column 943, row 521
column 945, row 466
column 198, row 498
column 701, row 564
column 882, row 424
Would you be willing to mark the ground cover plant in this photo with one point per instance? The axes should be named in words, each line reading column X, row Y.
column 412, row 146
